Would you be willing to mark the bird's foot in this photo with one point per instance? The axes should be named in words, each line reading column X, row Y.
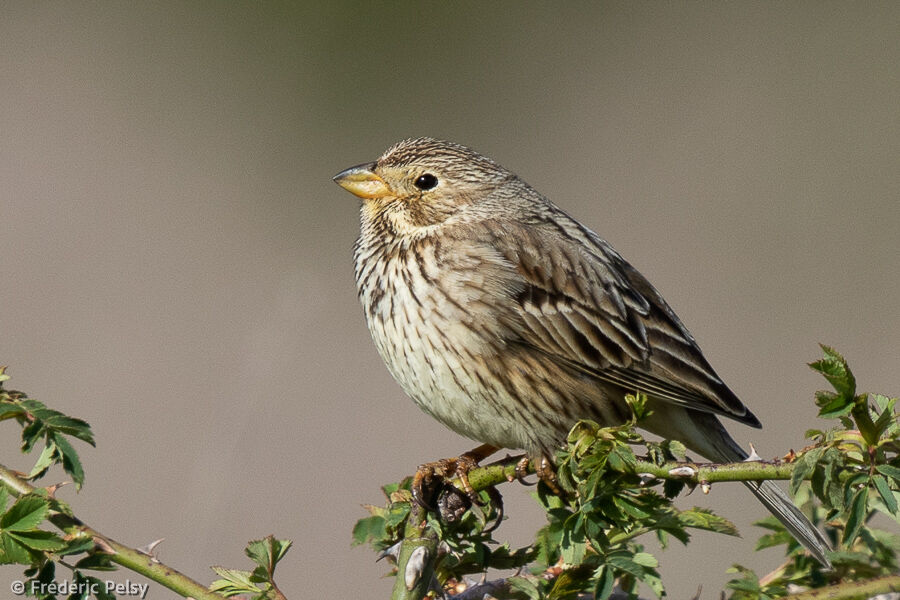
column 431, row 477
column 543, row 468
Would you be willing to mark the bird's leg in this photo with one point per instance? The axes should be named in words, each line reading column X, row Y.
column 543, row 468
column 428, row 474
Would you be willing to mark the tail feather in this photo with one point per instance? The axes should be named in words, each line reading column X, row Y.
column 703, row 433
column 780, row 505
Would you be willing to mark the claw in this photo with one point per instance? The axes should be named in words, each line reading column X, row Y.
column 465, row 463
column 545, row 473
column 424, row 477
column 522, row 471
column 497, row 502
column 430, row 478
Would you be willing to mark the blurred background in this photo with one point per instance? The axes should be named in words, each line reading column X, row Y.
column 176, row 262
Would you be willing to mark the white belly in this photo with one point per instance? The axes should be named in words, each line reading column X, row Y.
column 438, row 351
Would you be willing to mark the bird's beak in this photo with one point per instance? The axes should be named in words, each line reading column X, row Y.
column 362, row 181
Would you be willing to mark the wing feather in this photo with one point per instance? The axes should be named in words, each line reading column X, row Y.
column 582, row 305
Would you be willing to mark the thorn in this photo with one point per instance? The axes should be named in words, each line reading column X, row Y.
column 415, row 566
column 393, row 552
column 646, row 478
column 684, row 471
column 51, row 489
column 104, row 546
column 149, row 549
column 704, row 487
column 753, row 455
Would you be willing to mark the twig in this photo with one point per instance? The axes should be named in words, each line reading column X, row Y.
column 129, row 558
column 854, row 590
column 415, row 558
column 690, row 472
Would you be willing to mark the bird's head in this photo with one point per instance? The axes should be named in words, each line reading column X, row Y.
column 420, row 183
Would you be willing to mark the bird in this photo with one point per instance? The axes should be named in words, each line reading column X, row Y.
column 508, row 320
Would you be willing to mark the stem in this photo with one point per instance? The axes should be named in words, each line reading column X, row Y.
column 855, row 590
column 712, row 473
column 418, row 538
column 505, row 470
column 118, row 553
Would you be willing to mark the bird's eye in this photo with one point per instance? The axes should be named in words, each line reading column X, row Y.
column 426, row 181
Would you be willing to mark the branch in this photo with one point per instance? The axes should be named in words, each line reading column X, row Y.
column 415, row 559
column 419, row 536
column 854, row 590
column 129, row 558
column 504, row 470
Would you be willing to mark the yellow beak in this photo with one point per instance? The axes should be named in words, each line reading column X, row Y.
column 362, row 181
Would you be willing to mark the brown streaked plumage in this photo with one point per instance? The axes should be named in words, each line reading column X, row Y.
column 508, row 320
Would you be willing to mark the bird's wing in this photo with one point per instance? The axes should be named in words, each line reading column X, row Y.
column 581, row 304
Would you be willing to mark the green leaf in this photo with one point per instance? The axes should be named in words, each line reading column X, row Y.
column 626, row 505
column 655, row 583
column 857, row 516
column 605, row 581
column 884, row 491
column 96, row 562
column 566, row 586
column 70, row 426
column 833, row 406
column 645, row 560
column 9, row 410
column 77, row 546
column 748, row 582
column 835, row 369
column 44, row 462
column 369, row 529
column 626, row 564
column 44, row 541
column 267, row 552
column 573, row 546
column 771, row 540
column 890, row 471
column 25, row 514
column 678, row 450
column 11, row 551
column 884, row 422
column 397, row 514
column 702, row 518
column 70, row 461
column 804, row 467
column 32, row 434
column 45, row 575
column 233, row 582
column 525, row 586
column 88, row 583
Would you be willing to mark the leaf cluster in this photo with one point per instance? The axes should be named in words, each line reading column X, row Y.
column 258, row 584
column 850, row 474
column 22, row 541
column 23, row 509
column 591, row 543
column 40, row 423
column 592, row 532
